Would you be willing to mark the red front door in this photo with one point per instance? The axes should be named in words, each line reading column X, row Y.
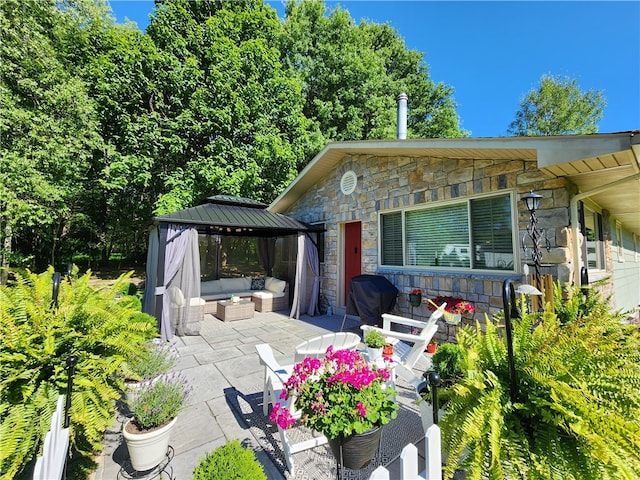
column 352, row 254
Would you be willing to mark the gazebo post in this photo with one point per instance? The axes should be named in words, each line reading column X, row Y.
column 163, row 227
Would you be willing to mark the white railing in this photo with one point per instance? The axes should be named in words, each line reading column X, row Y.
column 50, row 466
column 409, row 460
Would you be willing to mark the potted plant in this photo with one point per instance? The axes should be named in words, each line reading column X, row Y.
column 455, row 308
column 154, row 360
column 375, row 342
column 432, row 347
column 155, row 410
column 343, row 397
column 415, row 297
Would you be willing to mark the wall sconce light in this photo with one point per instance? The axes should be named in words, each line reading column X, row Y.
column 532, row 202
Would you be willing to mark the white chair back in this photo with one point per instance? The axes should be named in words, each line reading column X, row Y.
column 317, row 347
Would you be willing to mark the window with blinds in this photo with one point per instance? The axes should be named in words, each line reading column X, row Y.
column 472, row 234
column 392, row 239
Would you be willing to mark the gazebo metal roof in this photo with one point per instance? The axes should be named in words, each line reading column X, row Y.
column 236, row 216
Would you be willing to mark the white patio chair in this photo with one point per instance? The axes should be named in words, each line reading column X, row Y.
column 316, row 347
column 275, row 376
column 407, row 347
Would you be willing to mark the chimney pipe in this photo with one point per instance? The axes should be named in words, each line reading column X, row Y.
column 402, row 116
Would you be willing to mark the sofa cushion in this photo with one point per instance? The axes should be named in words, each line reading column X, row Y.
column 275, row 285
column 257, row 283
column 210, row 287
column 230, row 285
column 267, row 294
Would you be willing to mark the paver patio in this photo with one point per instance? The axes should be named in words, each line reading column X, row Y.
column 223, row 356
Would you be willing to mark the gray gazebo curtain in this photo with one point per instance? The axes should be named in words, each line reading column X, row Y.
column 304, row 302
column 267, row 254
column 187, row 316
column 149, row 299
column 298, row 281
column 311, row 251
column 179, row 240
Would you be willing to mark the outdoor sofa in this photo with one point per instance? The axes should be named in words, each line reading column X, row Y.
column 267, row 293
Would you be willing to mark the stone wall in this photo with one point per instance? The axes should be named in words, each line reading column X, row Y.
column 396, row 182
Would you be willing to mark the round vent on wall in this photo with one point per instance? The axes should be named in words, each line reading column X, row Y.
column 348, row 182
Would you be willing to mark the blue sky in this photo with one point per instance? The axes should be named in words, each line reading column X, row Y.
column 492, row 53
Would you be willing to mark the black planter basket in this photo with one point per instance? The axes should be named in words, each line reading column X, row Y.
column 415, row 299
column 356, row 451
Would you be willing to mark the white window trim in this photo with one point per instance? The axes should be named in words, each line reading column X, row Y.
column 619, row 241
column 596, row 273
column 515, row 239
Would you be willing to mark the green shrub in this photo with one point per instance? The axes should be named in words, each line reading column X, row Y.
column 577, row 411
column 36, row 341
column 230, row 462
column 446, row 361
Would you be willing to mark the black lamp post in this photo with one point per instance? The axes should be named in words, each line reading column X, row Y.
column 532, row 202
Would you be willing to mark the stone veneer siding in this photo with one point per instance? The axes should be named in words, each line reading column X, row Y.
column 396, row 182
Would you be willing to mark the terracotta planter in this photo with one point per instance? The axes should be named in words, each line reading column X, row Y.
column 147, row 449
column 356, row 451
column 387, row 350
column 432, row 347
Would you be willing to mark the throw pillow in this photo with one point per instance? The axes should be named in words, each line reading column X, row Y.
column 257, row 283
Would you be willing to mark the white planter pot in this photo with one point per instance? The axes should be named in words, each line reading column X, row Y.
column 132, row 389
column 147, row 450
column 374, row 353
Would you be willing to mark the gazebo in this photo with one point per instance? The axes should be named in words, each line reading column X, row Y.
column 174, row 263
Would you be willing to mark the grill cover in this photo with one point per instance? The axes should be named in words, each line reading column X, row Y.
column 369, row 297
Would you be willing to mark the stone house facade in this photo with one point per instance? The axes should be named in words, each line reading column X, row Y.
column 403, row 180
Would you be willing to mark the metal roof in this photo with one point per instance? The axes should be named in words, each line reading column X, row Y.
column 234, row 216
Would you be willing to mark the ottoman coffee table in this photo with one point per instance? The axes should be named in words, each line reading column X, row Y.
column 228, row 311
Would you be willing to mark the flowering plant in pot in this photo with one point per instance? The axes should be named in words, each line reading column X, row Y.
column 340, row 396
column 155, row 410
column 454, row 304
column 415, row 297
column 152, row 361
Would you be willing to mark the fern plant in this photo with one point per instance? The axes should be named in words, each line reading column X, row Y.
column 577, row 413
column 37, row 338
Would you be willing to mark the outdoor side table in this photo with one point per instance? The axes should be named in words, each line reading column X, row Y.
column 228, row 311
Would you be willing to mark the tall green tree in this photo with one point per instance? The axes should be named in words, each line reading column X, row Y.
column 558, row 107
column 231, row 113
column 48, row 128
column 352, row 75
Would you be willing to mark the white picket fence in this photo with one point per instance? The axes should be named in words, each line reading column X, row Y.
column 409, row 460
column 50, row 466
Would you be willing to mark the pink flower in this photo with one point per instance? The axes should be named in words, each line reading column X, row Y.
column 362, row 410
column 281, row 416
